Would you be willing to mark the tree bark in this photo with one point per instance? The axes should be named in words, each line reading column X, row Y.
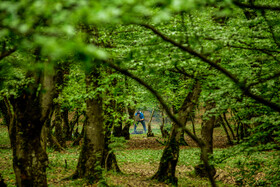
column 59, row 115
column 90, row 159
column 66, row 127
column 72, row 124
column 58, row 123
column 27, row 114
column 228, row 125
column 80, row 137
column 193, row 122
column 208, row 127
column 207, row 137
column 150, row 133
column 164, row 132
column 169, row 159
column 225, row 129
column 109, row 160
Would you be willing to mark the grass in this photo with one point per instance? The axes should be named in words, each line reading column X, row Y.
column 138, row 164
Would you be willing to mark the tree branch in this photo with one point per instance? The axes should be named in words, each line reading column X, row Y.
column 7, row 53
column 275, row 75
column 159, row 98
column 271, row 29
column 265, row 51
column 200, row 143
column 257, row 7
column 241, row 85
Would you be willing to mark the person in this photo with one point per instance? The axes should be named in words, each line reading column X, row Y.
column 139, row 117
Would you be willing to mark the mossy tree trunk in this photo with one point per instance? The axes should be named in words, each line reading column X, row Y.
column 27, row 114
column 109, row 160
column 60, row 126
column 129, row 110
column 207, row 129
column 90, row 159
column 170, row 156
column 164, row 132
column 127, row 124
column 58, row 121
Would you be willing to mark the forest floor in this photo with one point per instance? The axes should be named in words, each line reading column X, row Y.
column 138, row 160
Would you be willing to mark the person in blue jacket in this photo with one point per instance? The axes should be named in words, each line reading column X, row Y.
column 141, row 120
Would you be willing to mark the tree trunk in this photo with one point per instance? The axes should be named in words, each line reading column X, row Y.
column 27, row 114
column 90, row 159
column 80, row 137
column 125, row 131
column 150, row 133
column 2, row 182
column 208, row 127
column 66, row 127
column 225, row 129
column 117, row 129
column 129, row 110
column 228, row 125
column 51, row 140
column 182, row 140
column 72, row 124
column 169, row 159
column 241, row 131
column 109, row 160
column 128, row 123
column 58, row 123
column 164, row 132
column 207, row 137
column 193, row 123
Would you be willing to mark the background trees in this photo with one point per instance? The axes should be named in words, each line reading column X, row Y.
column 230, row 48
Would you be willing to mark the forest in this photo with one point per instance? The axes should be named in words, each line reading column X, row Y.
column 204, row 73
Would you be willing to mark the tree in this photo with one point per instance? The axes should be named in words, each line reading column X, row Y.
column 30, row 158
column 169, row 159
column 89, row 164
column 233, row 46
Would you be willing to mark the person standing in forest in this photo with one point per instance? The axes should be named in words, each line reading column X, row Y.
column 139, row 117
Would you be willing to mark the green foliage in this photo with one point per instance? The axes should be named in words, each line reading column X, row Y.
column 253, row 166
column 117, row 143
column 4, row 136
column 245, row 42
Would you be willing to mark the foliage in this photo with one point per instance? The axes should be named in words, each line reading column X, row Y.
column 253, row 165
column 242, row 43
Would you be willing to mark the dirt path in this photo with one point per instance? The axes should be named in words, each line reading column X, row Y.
column 141, row 142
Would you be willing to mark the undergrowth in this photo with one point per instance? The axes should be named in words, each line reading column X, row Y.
column 138, row 165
